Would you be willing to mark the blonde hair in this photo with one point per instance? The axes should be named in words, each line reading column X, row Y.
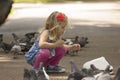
column 52, row 24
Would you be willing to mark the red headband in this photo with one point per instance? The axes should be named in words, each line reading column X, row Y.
column 60, row 17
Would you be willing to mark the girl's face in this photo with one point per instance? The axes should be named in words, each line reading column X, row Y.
column 61, row 30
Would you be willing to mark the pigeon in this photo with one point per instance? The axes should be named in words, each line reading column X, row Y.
column 75, row 74
column 42, row 75
column 81, row 40
column 117, row 75
column 33, row 75
column 27, row 75
column 88, row 74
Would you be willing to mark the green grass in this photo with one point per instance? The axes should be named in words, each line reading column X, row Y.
column 29, row 1
column 11, row 12
column 33, row 1
column 37, row 1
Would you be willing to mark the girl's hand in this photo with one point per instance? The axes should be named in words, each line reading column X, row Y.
column 75, row 47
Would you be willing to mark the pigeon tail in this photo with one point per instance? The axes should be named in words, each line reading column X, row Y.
column 42, row 75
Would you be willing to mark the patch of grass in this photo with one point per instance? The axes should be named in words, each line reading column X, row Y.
column 29, row 1
column 11, row 12
column 37, row 1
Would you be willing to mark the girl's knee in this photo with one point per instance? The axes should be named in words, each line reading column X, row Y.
column 45, row 53
column 64, row 49
column 61, row 50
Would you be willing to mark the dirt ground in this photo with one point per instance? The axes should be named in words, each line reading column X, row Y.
column 104, row 40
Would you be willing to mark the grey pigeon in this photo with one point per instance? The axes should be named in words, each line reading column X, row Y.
column 42, row 75
column 75, row 74
column 81, row 40
column 117, row 75
column 27, row 75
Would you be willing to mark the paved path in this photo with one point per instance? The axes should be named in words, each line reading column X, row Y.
column 29, row 17
column 98, row 21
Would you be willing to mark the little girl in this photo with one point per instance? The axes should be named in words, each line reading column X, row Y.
column 49, row 48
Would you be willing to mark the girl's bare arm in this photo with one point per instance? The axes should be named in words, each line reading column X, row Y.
column 44, row 44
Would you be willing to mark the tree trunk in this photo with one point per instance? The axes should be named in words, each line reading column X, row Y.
column 5, row 8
